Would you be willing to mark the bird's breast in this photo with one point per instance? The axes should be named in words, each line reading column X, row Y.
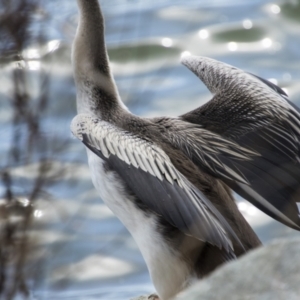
column 167, row 269
column 111, row 189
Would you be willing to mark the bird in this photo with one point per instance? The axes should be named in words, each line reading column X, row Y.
column 170, row 180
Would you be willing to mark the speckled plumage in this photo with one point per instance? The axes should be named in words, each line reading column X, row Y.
column 257, row 115
column 169, row 179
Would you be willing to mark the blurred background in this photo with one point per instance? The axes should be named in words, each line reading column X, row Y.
column 57, row 238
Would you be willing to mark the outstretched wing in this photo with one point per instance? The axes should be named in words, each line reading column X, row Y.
column 256, row 115
column 152, row 177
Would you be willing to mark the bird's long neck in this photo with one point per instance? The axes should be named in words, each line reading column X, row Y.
column 96, row 90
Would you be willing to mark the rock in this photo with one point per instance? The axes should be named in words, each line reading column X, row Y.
column 271, row 272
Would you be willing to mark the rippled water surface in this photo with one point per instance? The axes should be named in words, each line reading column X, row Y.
column 82, row 251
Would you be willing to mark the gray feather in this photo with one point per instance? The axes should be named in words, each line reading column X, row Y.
column 258, row 117
column 174, row 197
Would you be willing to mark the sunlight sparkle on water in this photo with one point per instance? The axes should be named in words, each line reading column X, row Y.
column 252, row 210
column 247, row 24
column 38, row 213
column 34, row 65
column 167, row 42
column 203, row 34
column 53, row 45
column 247, row 209
column 32, row 53
column 275, row 9
column 185, row 53
column 267, row 42
column 242, row 206
column 24, row 201
column 232, row 46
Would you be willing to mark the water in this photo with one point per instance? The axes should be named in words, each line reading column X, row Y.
column 82, row 251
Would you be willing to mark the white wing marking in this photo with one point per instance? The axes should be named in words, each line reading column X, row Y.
column 128, row 148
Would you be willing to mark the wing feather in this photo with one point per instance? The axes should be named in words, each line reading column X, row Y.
column 256, row 115
column 167, row 193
